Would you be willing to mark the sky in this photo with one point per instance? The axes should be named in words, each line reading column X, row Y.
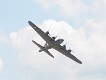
column 82, row 25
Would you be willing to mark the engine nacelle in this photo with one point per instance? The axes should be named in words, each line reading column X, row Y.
column 69, row 50
column 40, row 50
column 64, row 47
column 53, row 38
column 59, row 41
column 47, row 33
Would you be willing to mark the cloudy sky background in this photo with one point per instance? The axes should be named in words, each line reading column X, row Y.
column 82, row 23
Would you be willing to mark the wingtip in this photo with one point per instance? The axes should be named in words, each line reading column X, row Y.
column 80, row 62
column 29, row 22
column 32, row 40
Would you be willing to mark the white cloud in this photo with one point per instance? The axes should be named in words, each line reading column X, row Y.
column 77, row 10
column 88, row 42
column 2, row 38
column 69, row 8
column 45, row 3
column 2, row 41
column 98, row 9
column 1, row 64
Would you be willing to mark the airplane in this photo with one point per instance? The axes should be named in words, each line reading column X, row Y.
column 52, row 43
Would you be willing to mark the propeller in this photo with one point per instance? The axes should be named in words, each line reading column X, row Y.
column 64, row 46
column 47, row 32
column 70, row 50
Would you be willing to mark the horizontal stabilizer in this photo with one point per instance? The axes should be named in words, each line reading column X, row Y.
column 44, row 49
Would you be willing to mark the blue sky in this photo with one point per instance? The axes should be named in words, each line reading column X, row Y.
column 21, row 12
column 83, row 21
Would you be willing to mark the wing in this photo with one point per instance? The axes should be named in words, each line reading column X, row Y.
column 40, row 32
column 66, row 53
column 45, row 50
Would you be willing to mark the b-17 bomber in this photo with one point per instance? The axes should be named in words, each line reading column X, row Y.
column 51, row 42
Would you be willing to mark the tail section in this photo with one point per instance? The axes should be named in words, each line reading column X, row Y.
column 43, row 49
